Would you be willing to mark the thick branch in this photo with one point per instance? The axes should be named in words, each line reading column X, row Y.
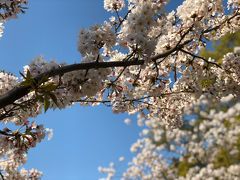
column 21, row 91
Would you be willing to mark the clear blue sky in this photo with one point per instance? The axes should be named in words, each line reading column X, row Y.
column 84, row 137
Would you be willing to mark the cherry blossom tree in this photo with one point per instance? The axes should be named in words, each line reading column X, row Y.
column 142, row 61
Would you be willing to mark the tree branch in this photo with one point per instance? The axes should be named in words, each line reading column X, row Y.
column 22, row 90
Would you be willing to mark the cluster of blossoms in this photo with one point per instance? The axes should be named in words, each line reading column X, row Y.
column 172, row 80
column 92, row 40
column 114, row 5
column 192, row 10
column 138, row 29
column 14, row 148
column 110, row 171
column 7, row 82
column 10, row 8
column 205, row 147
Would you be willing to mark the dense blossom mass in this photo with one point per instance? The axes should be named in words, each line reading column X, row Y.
column 142, row 61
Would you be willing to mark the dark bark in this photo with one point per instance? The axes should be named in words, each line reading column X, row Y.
column 22, row 90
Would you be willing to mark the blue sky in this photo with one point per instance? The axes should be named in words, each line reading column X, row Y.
column 84, row 137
